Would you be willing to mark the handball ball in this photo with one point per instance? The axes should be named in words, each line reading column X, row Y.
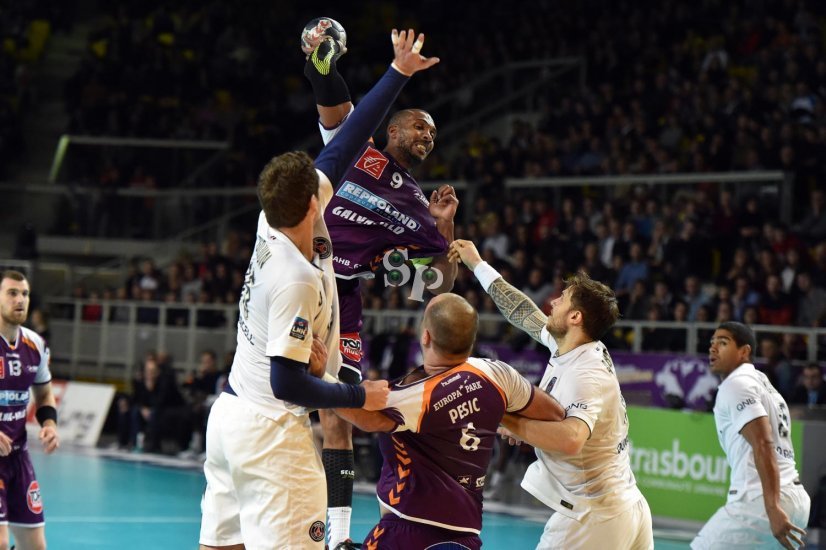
column 315, row 30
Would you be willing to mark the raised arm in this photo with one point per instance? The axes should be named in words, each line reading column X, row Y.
column 336, row 157
column 517, row 308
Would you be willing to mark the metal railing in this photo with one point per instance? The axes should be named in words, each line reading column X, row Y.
column 106, row 340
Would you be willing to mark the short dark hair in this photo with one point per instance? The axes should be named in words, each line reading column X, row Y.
column 741, row 334
column 285, row 187
column 453, row 323
column 14, row 275
column 595, row 301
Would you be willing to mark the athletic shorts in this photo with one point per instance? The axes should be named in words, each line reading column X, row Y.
column 395, row 533
column 630, row 530
column 350, row 311
column 744, row 523
column 265, row 482
column 20, row 502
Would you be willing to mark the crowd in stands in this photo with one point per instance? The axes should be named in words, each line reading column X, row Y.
column 25, row 26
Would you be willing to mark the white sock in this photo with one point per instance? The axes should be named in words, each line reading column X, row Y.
column 338, row 522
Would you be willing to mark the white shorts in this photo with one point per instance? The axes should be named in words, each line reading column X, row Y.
column 630, row 530
column 744, row 524
column 265, row 482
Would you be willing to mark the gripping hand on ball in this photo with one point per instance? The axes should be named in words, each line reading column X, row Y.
column 408, row 59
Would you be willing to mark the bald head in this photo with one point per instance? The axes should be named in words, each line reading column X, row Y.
column 452, row 323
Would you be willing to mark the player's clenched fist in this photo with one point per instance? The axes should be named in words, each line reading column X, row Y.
column 464, row 251
column 376, row 392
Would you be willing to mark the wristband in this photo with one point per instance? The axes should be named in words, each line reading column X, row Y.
column 485, row 274
column 44, row 413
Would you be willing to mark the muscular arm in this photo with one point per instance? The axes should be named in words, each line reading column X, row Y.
column 542, row 407
column 759, row 435
column 566, row 437
column 43, row 395
column 517, row 308
column 367, row 421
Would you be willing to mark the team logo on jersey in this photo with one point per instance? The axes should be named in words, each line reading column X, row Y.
column 322, row 247
column 480, row 482
column 464, row 481
column 372, row 162
column 33, row 498
column 317, row 531
column 551, row 385
column 300, row 327
column 350, row 346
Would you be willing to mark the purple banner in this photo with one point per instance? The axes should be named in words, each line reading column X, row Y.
column 648, row 379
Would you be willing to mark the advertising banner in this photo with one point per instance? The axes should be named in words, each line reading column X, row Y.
column 81, row 411
column 678, row 462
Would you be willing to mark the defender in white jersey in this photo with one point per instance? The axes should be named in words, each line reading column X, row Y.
column 265, row 482
column 583, row 471
column 766, row 501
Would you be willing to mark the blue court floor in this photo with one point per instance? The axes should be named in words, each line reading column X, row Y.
column 95, row 502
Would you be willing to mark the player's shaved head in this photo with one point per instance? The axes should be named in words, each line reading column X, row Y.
column 452, row 323
column 400, row 117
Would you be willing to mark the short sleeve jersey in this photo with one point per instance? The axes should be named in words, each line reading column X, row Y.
column 436, row 458
column 745, row 395
column 285, row 301
column 599, row 479
column 378, row 206
column 22, row 363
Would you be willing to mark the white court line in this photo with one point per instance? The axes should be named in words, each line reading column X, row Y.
column 121, row 519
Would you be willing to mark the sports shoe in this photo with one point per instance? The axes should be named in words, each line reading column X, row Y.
column 347, row 545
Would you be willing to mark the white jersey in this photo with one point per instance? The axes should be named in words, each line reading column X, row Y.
column 747, row 394
column 286, row 300
column 597, row 481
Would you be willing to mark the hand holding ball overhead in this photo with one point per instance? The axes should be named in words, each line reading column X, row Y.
column 316, row 30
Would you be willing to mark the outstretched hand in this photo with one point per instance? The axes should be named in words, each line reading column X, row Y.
column 464, row 251
column 443, row 203
column 407, row 58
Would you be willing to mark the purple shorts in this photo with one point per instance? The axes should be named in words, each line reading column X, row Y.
column 20, row 501
column 393, row 533
column 350, row 307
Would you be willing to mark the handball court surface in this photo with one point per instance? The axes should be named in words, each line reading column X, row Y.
column 118, row 501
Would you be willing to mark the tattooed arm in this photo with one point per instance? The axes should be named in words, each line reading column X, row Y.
column 517, row 308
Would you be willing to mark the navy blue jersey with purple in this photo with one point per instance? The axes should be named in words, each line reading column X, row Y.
column 436, row 458
column 377, row 207
column 22, row 363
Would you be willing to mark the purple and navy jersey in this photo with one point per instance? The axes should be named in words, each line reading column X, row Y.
column 378, row 206
column 22, row 364
column 436, row 458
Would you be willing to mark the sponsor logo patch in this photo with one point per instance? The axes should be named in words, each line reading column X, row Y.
column 33, row 498
column 322, row 247
column 300, row 327
column 317, row 530
column 372, row 162
column 350, row 346
column 464, row 481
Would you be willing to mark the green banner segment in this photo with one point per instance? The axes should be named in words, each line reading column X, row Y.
column 678, row 462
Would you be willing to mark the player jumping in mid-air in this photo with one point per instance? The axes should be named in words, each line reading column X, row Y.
column 378, row 206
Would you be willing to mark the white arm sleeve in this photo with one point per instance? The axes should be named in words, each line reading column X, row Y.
column 327, row 134
column 741, row 397
column 289, row 324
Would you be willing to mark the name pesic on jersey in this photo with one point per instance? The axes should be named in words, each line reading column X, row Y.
column 437, row 456
column 378, row 206
column 22, row 364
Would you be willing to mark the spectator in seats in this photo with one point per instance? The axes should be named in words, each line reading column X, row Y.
column 662, row 298
column 679, row 338
column 150, row 277
column 792, row 266
column 592, row 265
column 743, row 297
column 741, row 266
column 811, row 390
column 201, row 390
column 775, row 305
column 175, row 316
column 158, row 409
column 694, row 297
column 495, row 241
column 811, row 304
column 637, row 302
column 635, row 269
column 92, row 311
column 658, row 338
column 39, row 322
column 813, row 225
column 148, row 313
column 750, row 316
column 777, row 367
column 119, row 313
column 537, row 288
column 750, row 222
